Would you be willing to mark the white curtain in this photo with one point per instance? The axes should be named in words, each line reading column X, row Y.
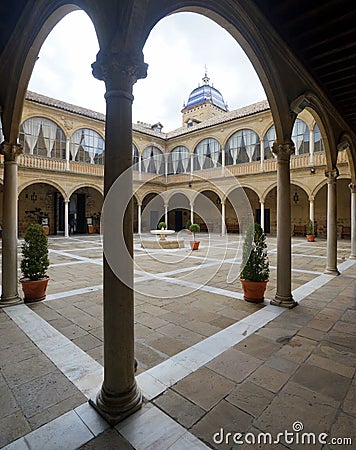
column 32, row 128
column 201, row 155
column 185, row 155
column 91, row 143
column 146, row 155
column 250, row 138
column 176, row 156
column 49, row 131
column 235, row 145
column 298, row 135
column 215, row 152
column 157, row 159
column 75, row 143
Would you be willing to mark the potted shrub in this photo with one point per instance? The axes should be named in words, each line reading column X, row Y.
column 34, row 263
column 162, row 226
column 255, row 265
column 194, row 228
column 310, row 231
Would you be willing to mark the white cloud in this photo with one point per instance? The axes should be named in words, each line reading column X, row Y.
column 176, row 50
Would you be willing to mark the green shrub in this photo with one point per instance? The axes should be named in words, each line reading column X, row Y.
column 35, row 262
column 162, row 225
column 255, row 264
column 310, row 227
column 194, row 228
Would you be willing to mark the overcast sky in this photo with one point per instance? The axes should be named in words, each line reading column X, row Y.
column 176, row 51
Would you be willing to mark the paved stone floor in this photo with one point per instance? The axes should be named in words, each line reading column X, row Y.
column 210, row 363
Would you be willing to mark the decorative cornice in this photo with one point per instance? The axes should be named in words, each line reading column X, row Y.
column 283, row 151
column 331, row 175
column 10, row 151
column 120, row 71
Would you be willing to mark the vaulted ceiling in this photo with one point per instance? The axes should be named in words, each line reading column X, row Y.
column 322, row 34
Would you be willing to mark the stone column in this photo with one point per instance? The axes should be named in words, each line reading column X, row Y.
column 139, row 218
column 223, row 226
column 67, row 154
column 191, row 163
column 353, row 220
column 311, row 208
column 66, row 218
column 311, row 147
column 283, row 295
column 262, row 153
column 166, row 215
column 10, row 295
column 331, row 230
column 223, row 161
column 192, row 212
column 119, row 395
column 262, row 206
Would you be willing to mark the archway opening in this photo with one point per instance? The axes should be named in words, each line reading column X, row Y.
column 84, row 211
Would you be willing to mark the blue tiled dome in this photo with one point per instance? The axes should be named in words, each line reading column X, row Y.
column 204, row 94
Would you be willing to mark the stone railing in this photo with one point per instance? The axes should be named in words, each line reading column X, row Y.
column 255, row 167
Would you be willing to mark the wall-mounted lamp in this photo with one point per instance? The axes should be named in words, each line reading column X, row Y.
column 33, row 197
column 190, row 185
column 296, row 197
column 312, row 170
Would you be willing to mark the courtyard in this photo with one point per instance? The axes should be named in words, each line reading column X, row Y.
column 209, row 363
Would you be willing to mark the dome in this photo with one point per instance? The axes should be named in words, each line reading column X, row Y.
column 205, row 94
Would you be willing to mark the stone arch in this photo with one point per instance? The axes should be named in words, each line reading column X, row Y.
column 52, row 183
column 86, row 185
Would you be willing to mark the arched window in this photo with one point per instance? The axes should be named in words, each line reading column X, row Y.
column 152, row 160
column 87, row 146
column 42, row 137
column 268, row 141
column 135, row 157
column 243, row 146
column 318, row 140
column 207, row 154
column 301, row 137
column 179, row 160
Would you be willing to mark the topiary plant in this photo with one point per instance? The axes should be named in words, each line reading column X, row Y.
column 162, row 225
column 255, row 264
column 194, row 228
column 310, row 227
column 35, row 262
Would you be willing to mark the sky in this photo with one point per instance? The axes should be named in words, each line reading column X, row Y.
column 176, row 51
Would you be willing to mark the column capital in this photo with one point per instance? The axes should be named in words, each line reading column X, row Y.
column 311, row 198
column 352, row 187
column 10, row 151
column 331, row 175
column 283, row 151
column 119, row 70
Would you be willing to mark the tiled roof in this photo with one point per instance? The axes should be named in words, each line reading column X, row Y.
column 143, row 128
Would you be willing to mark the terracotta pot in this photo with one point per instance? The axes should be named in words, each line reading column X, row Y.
column 34, row 291
column 310, row 237
column 194, row 245
column 254, row 291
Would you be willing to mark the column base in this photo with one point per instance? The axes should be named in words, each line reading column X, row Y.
column 115, row 408
column 334, row 272
column 352, row 257
column 10, row 301
column 284, row 302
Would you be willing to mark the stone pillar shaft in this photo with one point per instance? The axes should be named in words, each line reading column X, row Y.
column 331, row 231
column 353, row 220
column 166, row 215
column 10, row 295
column 283, row 295
column 311, row 209
column 66, row 218
column 311, row 149
column 223, row 226
column 119, row 395
column 139, row 218
column 262, row 206
column 192, row 213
